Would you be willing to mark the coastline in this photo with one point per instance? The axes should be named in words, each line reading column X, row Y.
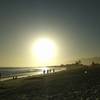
column 28, row 74
column 63, row 85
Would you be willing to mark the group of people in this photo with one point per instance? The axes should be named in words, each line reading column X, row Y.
column 15, row 77
column 44, row 72
column 48, row 71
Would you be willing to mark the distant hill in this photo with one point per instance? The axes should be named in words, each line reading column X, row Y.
column 88, row 61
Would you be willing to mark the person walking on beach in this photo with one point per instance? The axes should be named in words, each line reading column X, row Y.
column 43, row 71
column 47, row 71
column 53, row 70
column 13, row 77
column 50, row 70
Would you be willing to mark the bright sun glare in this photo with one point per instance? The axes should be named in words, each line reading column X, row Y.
column 44, row 49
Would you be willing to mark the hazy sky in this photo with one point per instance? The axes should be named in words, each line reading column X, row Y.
column 74, row 25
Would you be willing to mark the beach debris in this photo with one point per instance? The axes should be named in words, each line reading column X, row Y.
column 85, row 72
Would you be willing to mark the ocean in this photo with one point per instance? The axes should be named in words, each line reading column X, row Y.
column 10, row 72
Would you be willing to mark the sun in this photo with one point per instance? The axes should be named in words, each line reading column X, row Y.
column 44, row 49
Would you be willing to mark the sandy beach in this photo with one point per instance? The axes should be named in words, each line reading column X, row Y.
column 64, row 85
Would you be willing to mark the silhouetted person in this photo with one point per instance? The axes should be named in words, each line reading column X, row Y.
column 47, row 71
column 50, row 70
column 13, row 77
column 93, row 63
column 53, row 70
column 43, row 71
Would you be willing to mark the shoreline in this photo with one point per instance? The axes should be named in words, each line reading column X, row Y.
column 29, row 74
column 63, row 85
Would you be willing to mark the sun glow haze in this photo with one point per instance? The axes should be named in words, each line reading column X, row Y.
column 44, row 50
